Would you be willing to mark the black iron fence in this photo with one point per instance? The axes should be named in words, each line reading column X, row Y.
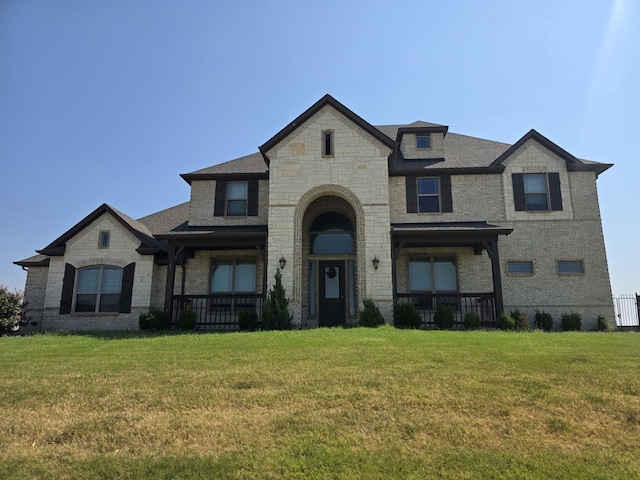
column 627, row 310
column 217, row 311
column 482, row 304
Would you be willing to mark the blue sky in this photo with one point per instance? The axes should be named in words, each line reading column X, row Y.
column 109, row 101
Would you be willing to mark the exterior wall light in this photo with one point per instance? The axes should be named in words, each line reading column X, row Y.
column 283, row 262
column 375, row 262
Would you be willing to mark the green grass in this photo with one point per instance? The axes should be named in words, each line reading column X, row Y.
column 357, row 403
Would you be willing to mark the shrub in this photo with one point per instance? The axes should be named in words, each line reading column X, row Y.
column 571, row 322
column 187, row 319
column 544, row 321
column 406, row 316
column 247, row 320
column 471, row 321
column 505, row 322
column 155, row 319
column 370, row 316
column 444, row 317
column 275, row 313
column 12, row 310
column 521, row 320
column 603, row 324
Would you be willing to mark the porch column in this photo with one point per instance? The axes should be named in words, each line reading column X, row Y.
column 492, row 250
column 171, row 277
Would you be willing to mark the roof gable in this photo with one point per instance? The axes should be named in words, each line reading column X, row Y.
column 148, row 244
column 316, row 107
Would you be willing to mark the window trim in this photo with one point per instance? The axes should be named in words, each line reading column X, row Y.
column 245, row 198
column 520, row 262
column 580, row 263
column 428, row 142
column 528, row 195
column 104, row 239
column 438, row 195
column 99, row 292
column 328, row 147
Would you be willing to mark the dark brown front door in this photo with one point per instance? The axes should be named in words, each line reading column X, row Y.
column 331, row 281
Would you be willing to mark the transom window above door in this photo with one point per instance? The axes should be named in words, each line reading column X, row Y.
column 332, row 233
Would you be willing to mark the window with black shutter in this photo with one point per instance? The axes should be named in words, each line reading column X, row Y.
column 537, row 191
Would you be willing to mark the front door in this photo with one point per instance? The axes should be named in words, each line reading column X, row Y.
column 331, row 282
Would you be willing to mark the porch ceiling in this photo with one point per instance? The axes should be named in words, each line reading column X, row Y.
column 442, row 234
column 221, row 237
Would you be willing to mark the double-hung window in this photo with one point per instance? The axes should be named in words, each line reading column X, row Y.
column 237, row 199
column 537, row 191
column 428, row 195
column 98, row 289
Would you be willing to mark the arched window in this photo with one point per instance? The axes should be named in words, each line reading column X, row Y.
column 98, row 289
column 332, row 233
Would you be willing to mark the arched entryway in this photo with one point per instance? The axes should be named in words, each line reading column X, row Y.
column 329, row 255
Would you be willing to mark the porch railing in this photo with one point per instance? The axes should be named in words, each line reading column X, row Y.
column 217, row 311
column 482, row 304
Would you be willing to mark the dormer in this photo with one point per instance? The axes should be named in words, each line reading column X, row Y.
column 421, row 140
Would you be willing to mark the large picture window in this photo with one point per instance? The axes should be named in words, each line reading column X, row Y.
column 433, row 274
column 98, row 289
column 233, row 276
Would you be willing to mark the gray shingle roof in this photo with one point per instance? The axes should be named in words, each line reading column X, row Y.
column 168, row 219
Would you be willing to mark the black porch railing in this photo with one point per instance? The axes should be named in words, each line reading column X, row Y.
column 482, row 304
column 217, row 311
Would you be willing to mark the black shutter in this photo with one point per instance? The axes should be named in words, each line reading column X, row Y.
column 518, row 192
column 221, row 195
column 252, row 208
column 127, row 288
column 554, row 191
column 445, row 193
column 412, row 194
column 68, row 282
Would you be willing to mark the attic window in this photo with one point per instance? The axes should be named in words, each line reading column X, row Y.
column 103, row 239
column 327, row 143
column 423, row 141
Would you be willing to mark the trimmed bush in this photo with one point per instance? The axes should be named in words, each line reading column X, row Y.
column 155, row 319
column 544, row 321
column 603, row 324
column 571, row 322
column 370, row 315
column 521, row 320
column 471, row 321
column 444, row 317
column 187, row 319
column 247, row 320
column 406, row 316
column 505, row 322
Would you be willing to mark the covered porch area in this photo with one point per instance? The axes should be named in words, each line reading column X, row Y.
column 217, row 273
column 445, row 264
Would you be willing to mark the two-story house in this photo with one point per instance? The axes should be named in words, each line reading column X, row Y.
column 346, row 211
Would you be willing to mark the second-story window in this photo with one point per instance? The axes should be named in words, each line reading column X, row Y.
column 537, row 192
column 237, row 198
column 428, row 195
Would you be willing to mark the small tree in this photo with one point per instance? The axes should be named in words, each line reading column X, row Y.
column 370, row 315
column 11, row 310
column 275, row 313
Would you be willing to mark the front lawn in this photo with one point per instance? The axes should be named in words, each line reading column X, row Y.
column 327, row 403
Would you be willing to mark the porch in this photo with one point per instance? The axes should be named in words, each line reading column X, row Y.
column 217, row 311
column 481, row 304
